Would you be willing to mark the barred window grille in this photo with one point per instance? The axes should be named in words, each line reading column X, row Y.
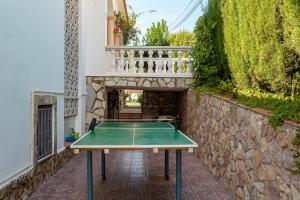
column 44, row 131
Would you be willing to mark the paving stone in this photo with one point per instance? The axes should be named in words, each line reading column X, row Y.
column 132, row 175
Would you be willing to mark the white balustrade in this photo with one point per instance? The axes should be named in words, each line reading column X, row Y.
column 149, row 61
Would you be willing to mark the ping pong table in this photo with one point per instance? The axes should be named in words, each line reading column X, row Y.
column 134, row 135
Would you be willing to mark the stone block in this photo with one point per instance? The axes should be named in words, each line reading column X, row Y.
column 259, row 186
column 98, row 79
column 269, row 172
column 91, row 96
column 99, row 112
column 96, row 86
column 131, row 83
column 287, row 158
column 295, row 193
column 140, row 81
column 167, row 80
column 161, row 82
column 188, row 82
column 122, row 83
column 180, row 83
column 146, row 84
column 171, row 84
column 100, row 95
column 110, row 83
column 284, row 138
column 97, row 105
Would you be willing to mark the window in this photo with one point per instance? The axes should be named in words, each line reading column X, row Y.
column 44, row 131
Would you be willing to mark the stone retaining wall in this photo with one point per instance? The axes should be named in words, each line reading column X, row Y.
column 97, row 90
column 240, row 147
column 25, row 185
column 157, row 103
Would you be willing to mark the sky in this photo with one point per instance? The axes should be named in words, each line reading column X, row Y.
column 165, row 9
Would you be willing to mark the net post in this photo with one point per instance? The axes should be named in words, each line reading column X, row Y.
column 92, row 124
column 176, row 123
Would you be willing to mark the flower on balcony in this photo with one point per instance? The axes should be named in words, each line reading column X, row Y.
column 118, row 28
column 126, row 26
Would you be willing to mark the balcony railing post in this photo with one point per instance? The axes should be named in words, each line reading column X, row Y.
column 150, row 63
column 179, row 62
column 160, row 62
column 141, row 62
column 122, row 67
column 189, row 64
column 170, row 64
column 131, row 62
column 113, row 61
column 126, row 66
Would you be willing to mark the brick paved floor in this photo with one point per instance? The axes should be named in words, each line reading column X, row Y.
column 132, row 175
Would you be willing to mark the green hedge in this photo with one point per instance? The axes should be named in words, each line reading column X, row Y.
column 262, row 43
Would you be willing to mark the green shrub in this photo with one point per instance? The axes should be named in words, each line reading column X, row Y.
column 227, row 88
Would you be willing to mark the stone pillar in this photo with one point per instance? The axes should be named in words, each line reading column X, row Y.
column 110, row 30
column 118, row 39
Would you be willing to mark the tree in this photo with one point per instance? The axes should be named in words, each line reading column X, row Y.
column 128, row 28
column 157, row 34
column 182, row 38
column 209, row 60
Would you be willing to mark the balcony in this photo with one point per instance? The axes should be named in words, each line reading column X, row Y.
column 148, row 61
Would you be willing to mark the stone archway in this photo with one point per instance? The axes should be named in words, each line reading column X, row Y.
column 97, row 90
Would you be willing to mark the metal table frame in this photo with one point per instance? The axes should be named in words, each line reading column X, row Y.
column 103, row 160
column 166, row 165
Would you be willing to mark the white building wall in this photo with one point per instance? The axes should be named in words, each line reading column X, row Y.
column 93, row 37
column 31, row 59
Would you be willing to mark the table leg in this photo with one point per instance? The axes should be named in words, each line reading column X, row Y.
column 178, row 174
column 167, row 164
column 89, row 175
column 103, row 165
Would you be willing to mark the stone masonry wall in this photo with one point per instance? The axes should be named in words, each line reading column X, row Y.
column 25, row 185
column 97, row 90
column 240, row 148
column 157, row 103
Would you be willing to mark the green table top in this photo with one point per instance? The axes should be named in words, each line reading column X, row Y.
column 134, row 135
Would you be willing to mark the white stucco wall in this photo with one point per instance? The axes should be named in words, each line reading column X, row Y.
column 31, row 59
column 93, row 38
